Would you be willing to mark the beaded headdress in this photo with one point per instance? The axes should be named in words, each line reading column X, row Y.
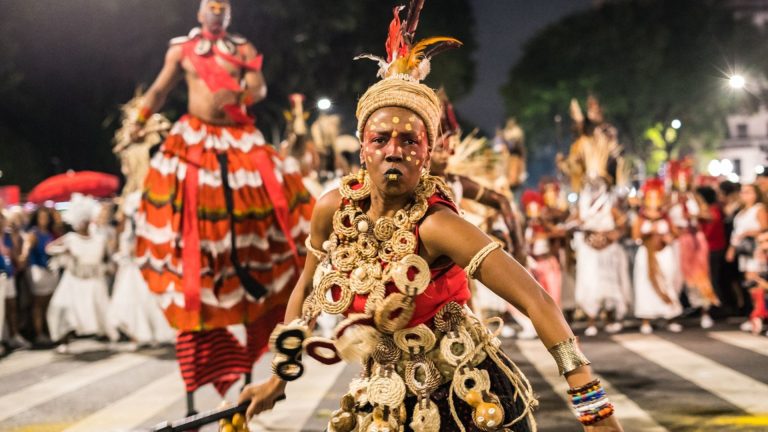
column 406, row 64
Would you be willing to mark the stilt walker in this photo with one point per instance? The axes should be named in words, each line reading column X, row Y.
column 222, row 222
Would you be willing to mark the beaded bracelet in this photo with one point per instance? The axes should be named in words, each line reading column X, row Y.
column 591, row 402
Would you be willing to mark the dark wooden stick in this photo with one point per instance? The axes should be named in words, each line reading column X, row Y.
column 202, row 419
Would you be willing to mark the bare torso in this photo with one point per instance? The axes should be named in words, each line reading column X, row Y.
column 202, row 102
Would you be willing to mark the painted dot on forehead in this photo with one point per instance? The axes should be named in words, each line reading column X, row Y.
column 408, row 158
column 408, row 127
column 378, row 152
column 395, row 119
column 394, row 134
column 382, row 124
column 412, row 118
column 413, row 153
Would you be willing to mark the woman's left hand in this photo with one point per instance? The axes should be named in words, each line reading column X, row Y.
column 611, row 424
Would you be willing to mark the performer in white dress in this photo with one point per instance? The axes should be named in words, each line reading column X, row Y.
column 595, row 165
column 656, row 266
column 133, row 309
column 80, row 302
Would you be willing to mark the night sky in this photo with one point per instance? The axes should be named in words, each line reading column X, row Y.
column 503, row 26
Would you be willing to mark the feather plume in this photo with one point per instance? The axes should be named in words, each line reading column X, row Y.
column 412, row 19
column 383, row 64
column 395, row 44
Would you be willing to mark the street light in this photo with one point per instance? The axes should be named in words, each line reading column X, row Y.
column 737, row 82
column 324, row 104
column 676, row 124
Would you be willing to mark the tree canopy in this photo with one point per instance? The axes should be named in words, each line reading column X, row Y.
column 648, row 62
column 65, row 67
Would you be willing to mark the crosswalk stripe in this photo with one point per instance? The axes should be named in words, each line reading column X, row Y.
column 302, row 397
column 133, row 410
column 757, row 344
column 631, row 416
column 22, row 400
column 728, row 384
column 25, row 360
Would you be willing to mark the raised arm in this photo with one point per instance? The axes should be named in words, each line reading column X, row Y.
column 166, row 80
column 255, row 86
column 155, row 97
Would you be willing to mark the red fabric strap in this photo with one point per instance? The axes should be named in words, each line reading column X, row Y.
column 217, row 78
column 190, row 255
column 262, row 159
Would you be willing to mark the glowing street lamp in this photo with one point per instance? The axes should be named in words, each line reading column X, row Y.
column 737, row 82
column 324, row 104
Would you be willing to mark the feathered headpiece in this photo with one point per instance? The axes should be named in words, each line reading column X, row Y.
column 596, row 153
column 680, row 172
column 404, row 58
column 532, row 202
column 82, row 210
column 653, row 187
column 448, row 123
column 405, row 65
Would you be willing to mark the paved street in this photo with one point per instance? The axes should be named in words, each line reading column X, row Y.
column 694, row 381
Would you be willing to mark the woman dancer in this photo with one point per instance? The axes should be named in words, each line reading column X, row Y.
column 390, row 251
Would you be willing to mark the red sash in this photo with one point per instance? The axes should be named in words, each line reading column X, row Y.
column 217, row 78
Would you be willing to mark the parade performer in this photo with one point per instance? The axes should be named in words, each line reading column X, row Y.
column 685, row 213
column 80, row 302
column 594, row 163
column 511, row 140
column 655, row 265
column 538, row 236
column 222, row 222
column 475, row 174
column 298, row 149
column 556, row 214
column 391, row 253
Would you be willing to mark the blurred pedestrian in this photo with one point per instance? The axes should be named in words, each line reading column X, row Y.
column 750, row 221
column 42, row 281
column 713, row 227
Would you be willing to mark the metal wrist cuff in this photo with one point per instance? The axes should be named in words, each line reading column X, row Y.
column 568, row 356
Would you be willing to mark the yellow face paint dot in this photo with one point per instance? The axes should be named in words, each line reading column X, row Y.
column 408, row 158
column 394, row 134
column 395, row 120
column 382, row 124
column 408, row 127
column 413, row 153
column 369, row 159
column 378, row 152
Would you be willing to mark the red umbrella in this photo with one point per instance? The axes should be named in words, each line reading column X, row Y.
column 61, row 187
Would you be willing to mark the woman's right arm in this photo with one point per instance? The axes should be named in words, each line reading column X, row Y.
column 264, row 395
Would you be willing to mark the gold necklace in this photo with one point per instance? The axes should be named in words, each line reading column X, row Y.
column 363, row 256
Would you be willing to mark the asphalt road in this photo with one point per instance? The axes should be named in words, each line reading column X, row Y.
column 715, row 380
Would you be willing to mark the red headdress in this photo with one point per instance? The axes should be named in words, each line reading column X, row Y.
column 680, row 169
column 653, row 187
column 532, row 200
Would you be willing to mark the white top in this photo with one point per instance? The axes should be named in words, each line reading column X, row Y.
column 660, row 226
column 745, row 221
column 595, row 209
column 677, row 213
